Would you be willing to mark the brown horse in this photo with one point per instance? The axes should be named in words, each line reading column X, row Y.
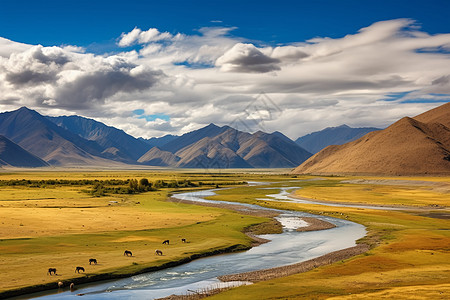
column 78, row 269
column 127, row 253
column 51, row 270
column 92, row 260
column 158, row 252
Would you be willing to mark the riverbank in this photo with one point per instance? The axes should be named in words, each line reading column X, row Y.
column 272, row 273
column 408, row 254
column 25, row 261
column 269, row 227
column 301, row 267
column 265, row 213
column 315, row 224
column 111, row 276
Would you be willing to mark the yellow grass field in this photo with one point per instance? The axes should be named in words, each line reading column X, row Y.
column 410, row 255
column 63, row 227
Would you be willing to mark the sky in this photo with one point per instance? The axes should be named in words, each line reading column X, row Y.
column 168, row 67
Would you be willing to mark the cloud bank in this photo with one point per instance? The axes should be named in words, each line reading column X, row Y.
column 369, row 78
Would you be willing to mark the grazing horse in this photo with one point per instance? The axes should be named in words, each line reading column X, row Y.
column 92, row 260
column 51, row 270
column 78, row 269
column 127, row 253
column 158, row 252
column 183, row 240
column 166, row 242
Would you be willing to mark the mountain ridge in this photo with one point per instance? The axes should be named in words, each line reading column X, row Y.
column 407, row 147
column 316, row 141
column 225, row 147
column 114, row 143
column 77, row 141
column 13, row 155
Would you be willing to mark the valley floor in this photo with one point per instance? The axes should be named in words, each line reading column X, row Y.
column 62, row 226
column 410, row 247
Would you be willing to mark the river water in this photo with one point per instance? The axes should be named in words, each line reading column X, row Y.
column 286, row 248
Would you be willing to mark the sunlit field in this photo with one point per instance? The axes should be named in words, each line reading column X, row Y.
column 64, row 224
column 410, row 255
column 46, row 224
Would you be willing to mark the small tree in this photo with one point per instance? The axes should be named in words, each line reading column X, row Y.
column 144, row 182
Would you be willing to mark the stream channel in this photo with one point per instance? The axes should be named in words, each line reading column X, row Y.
column 283, row 249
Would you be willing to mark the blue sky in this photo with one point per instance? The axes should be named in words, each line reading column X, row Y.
column 167, row 67
column 98, row 23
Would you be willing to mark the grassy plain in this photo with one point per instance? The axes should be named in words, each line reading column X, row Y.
column 63, row 226
column 410, row 255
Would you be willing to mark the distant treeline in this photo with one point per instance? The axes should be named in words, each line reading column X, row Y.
column 117, row 186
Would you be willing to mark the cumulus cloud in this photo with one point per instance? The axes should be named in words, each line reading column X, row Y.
column 7, row 47
column 127, row 39
column 143, row 37
column 213, row 76
column 54, row 76
column 95, row 87
column 247, row 58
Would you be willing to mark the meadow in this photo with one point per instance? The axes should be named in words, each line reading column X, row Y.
column 64, row 225
column 410, row 248
column 55, row 220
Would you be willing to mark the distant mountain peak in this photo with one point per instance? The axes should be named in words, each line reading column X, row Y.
column 410, row 146
column 211, row 125
column 342, row 126
column 316, row 141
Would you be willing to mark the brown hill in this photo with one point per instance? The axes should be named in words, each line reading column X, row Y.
column 440, row 114
column 408, row 147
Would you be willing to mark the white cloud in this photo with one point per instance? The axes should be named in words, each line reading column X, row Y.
column 212, row 76
column 247, row 58
column 128, row 39
column 142, row 37
column 7, row 47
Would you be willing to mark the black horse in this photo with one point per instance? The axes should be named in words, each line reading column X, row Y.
column 78, row 269
column 158, row 252
column 92, row 260
column 51, row 270
column 166, row 242
column 127, row 253
column 183, row 240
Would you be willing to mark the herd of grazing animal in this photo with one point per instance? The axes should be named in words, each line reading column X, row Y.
column 78, row 269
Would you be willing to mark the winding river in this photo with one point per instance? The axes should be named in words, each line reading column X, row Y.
column 286, row 248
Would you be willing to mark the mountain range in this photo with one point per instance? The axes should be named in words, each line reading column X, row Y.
column 215, row 147
column 112, row 143
column 316, row 141
column 78, row 141
column 410, row 146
